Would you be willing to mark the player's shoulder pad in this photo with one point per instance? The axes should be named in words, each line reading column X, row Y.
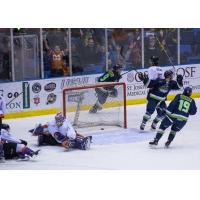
column 111, row 73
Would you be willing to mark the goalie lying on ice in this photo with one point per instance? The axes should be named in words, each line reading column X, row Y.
column 60, row 132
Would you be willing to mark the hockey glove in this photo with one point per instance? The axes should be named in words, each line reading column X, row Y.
column 141, row 76
column 59, row 137
column 38, row 130
column 179, row 79
column 24, row 142
column 66, row 144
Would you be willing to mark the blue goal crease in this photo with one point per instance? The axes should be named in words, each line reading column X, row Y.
column 121, row 137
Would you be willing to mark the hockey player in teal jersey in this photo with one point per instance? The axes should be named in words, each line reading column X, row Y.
column 113, row 75
column 177, row 115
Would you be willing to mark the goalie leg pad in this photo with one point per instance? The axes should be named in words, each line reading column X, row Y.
column 83, row 143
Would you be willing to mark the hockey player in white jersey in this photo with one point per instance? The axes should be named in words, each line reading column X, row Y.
column 11, row 147
column 60, row 132
column 154, row 71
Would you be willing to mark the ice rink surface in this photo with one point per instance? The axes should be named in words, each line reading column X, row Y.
column 117, row 149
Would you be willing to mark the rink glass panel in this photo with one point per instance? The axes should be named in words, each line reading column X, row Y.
column 5, row 55
column 157, row 41
column 88, row 51
column 189, row 45
column 54, row 37
column 125, row 47
column 26, row 54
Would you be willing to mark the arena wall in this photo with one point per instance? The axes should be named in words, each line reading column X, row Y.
column 44, row 96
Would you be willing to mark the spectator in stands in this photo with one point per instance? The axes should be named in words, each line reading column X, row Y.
column 151, row 46
column 58, row 64
column 5, row 58
column 76, row 60
column 57, row 37
column 112, row 54
column 134, row 51
column 90, row 55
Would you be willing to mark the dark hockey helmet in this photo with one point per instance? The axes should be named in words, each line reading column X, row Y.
column 117, row 67
column 169, row 74
column 154, row 60
column 5, row 126
column 59, row 118
column 187, row 91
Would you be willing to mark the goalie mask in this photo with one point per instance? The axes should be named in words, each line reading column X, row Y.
column 59, row 118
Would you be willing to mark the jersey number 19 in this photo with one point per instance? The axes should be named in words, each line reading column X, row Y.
column 184, row 106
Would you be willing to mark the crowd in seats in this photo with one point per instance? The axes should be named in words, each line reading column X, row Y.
column 125, row 47
column 90, row 54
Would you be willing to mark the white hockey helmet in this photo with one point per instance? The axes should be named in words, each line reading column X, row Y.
column 59, row 118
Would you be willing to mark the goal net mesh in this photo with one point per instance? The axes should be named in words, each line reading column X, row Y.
column 80, row 105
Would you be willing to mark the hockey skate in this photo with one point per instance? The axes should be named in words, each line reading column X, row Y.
column 142, row 126
column 95, row 108
column 167, row 144
column 26, row 157
column 154, row 142
column 22, row 157
column 85, row 144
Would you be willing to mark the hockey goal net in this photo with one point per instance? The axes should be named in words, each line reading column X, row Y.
column 79, row 103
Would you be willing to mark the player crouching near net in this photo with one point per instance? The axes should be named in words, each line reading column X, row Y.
column 157, row 94
column 112, row 75
column 61, row 132
column 13, row 148
column 177, row 115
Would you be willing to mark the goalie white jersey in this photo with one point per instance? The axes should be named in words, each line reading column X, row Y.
column 66, row 129
column 155, row 72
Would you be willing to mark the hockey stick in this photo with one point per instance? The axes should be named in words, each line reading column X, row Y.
column 129, row 71
column 163, row 48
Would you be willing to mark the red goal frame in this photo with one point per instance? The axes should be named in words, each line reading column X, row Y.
column 105, row 84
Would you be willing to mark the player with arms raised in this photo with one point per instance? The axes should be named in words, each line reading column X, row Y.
column 154, row 71
column 157, row 95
